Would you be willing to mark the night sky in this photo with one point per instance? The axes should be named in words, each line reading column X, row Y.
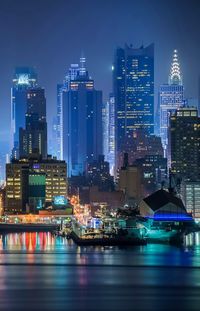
column 50, row 34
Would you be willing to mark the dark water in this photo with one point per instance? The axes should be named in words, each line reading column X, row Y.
column 41, row 272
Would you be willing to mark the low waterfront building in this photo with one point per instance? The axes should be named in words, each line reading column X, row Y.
column 163, row 205
column 190, row 191
column 33, row 183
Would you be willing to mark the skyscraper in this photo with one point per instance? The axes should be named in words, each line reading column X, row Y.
column 61, row 89
column 24, row 78
column 184, row 143
column 108, row 122
column 33, row 139
column 80, row 115
column 171, row 97
column 133, row 82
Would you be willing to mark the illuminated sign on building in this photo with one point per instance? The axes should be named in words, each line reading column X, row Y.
column 60, row 200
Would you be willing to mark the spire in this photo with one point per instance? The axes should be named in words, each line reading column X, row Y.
column 82, row 65
column 175, row 72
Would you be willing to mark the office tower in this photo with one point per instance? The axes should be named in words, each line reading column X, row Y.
column 28, row 179
column 61, row 89
column 184, row 143
column 108, row 122
column 33, row 139
column 52, row 140
column 24, row 78
column 171, row 97
column 133, row 82
column 105, row 127
column 80, row 120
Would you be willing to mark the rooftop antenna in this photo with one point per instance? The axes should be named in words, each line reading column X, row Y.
column 82, row 65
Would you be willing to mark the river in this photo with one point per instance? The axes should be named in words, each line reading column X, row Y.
column 41, row 272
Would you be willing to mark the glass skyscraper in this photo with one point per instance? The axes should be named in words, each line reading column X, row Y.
column 133, row 77
column 79, row 120
column 24, row 78
column 171, row 97
column 108, row 122
column 33, row 139
column 61, row 89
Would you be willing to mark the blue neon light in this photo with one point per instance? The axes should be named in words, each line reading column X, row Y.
column 175, row 217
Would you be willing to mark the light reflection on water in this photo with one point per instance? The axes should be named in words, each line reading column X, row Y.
column 32, row 241
column 193, row 239
column 40, row 271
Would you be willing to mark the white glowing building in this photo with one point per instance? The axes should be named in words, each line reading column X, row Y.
column 171, row 97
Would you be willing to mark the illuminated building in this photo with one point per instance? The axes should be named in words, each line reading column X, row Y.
column 133, row 77
column 61, row 89
column 105, row 127
column 80, row 120
column 164, row 206
column 108, row 121
column 16, row 186
column 23, row 79
column 52, row 141
column 36, row 191
column 190, row 191
column 23, row 175
column 171, row 97
column 34, row 137
column 184, row 144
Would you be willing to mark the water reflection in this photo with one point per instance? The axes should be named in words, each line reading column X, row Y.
column 31, row 241
column 193, row 239
column 64, row 276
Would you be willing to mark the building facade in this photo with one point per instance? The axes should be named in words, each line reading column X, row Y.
column 108, row 124
column 171, row 97
column 27, row 179
column 24, row 78
column 133, row 83
column 190, row 191
column 80, row 121
column 33, row 138
column 184, row 143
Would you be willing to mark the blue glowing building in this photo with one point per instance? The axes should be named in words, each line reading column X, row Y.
column 24, row 78
column 79, row 120
column 108, row 123
column 133, row 82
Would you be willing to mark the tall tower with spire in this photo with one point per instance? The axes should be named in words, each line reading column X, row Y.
column 171, row 97
column 175, row 71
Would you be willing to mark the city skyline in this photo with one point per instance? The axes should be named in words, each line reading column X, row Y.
column 51, row 63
